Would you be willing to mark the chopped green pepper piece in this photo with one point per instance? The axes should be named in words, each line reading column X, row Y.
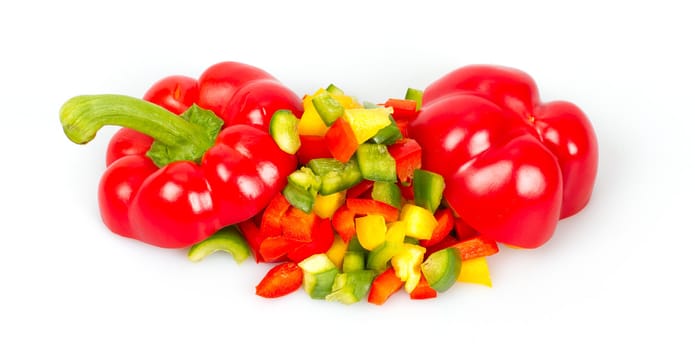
column 351, row 287
column 335, row 175
column 284, row 130
column 319, row 272
column 428, row 188
column 328, row 108
column 353, row 261
column 334, row 90
column 414, row 95
column 379, row 258
column 387, row 192
column 228, row 239
column 441, row 269
column 376, row 163
column 389, row 134
column 302, row 188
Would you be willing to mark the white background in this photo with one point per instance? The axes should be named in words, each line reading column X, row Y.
column 618, row 274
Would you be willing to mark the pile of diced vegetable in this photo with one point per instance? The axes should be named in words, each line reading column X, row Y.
column 359, row 218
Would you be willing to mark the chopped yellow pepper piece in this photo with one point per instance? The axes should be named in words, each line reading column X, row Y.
column 475, row 271
column 336, row 253
column 396, row 232
column 325, row 206
column 311, row 123
column 371, row 230
column 419, row 222
column 366, row 123
column 406, row 263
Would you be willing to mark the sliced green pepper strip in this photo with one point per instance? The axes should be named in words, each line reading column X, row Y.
column 228, row 239
column 284, row 130
column 376, row 163
column 389, row 134
column 441, row 269
column 428, row 188
column 351, row 287
column 414, row 95
column 387, row 192
column 328, row 108
column 335, row 176
column 302, row 188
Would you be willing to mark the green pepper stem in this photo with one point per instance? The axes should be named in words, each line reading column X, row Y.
column 82, row 116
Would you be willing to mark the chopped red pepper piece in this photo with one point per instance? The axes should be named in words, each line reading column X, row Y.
column 408, row 156
column 344, row 223
column 298, row 225
column 313, row 147
column 383, row 286
column 253, row 236
column 364, row 206
column 360, row 189
column 423, row 290
column 402, row 109
column 281, row 280
column 271, row 220
column 445, row 223
column 476, row 247
column 275, row 248
column 341, row 140
column 321, row 240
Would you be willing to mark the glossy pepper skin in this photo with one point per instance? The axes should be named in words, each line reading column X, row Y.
column 186, row 201
column 513, row 166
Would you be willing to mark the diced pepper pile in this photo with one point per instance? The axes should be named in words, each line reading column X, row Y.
column 359, row 218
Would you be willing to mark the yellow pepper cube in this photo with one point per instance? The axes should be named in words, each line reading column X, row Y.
column 311, row 123
column 475, row 271
column 325, row 206
column 371, row 230
column 366, row 123
column 396, row 232
column 336, row 253
column 419, row 222
column 406, row 264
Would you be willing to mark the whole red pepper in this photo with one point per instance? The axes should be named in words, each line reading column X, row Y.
column 513, row 166
column 206, row 179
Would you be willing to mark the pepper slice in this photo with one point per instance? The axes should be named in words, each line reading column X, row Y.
column 228, row 239
column 376, row 163
column 280, row 280
column 384, row 285
column 283, row 129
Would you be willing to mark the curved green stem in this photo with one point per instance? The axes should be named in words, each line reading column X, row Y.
column 83, row 116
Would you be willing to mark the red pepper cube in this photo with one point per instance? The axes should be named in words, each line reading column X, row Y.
column 402, row 109
column 445, row 224
column 408, row 156
column 298, row 225
column 321, row 240
column 271, row 220
column 343, row 222
column 476, row 247
column 383, row 286
column 423, row 290
column 341, row 140
column 312, row 147
column 275, row 248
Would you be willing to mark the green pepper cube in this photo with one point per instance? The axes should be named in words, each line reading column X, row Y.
column 302, row 188
column 334, row 90
column 428, row 188
column 414, row 95
column 351, row 287
column 319, row 273
column 389, row 134
column 335, row 175
column 328, row 108
column 353, row 261
column 387, row 192
column 376, row 163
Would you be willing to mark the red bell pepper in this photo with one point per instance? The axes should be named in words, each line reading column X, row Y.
column 183, row 202
column 513, row 166
column 280, row 280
